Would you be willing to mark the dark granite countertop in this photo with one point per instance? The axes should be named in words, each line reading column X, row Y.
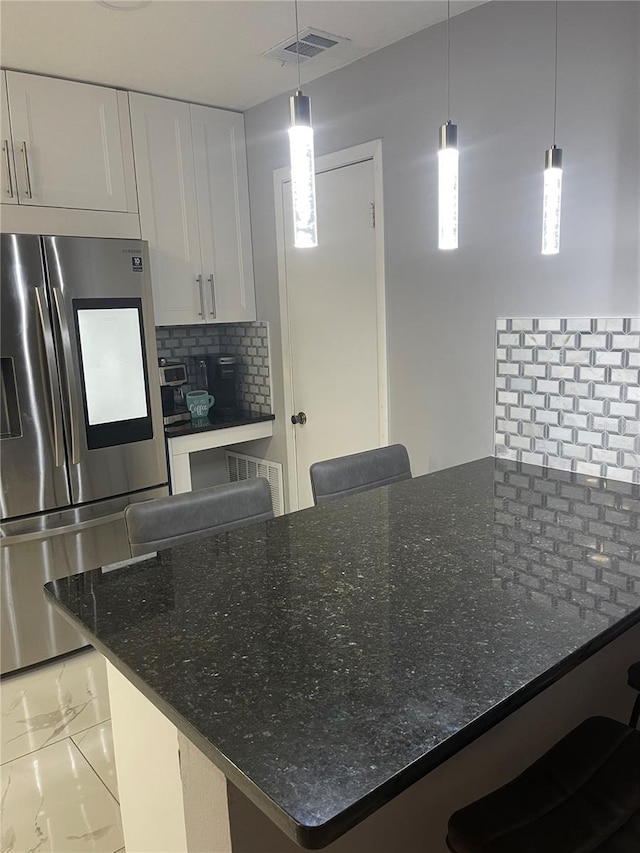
column 206, row 424
column 327, row 659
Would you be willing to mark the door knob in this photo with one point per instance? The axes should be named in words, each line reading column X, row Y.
column 300, row 418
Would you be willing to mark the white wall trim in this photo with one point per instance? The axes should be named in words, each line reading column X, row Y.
column 335, row 160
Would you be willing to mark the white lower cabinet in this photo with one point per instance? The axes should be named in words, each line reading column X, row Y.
column 194, row 210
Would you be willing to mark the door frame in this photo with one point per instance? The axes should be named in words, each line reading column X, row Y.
column 326, row 163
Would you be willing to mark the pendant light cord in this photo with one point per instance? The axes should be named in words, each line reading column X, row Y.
column 555, row 82
column 295, row 3
column 448, row 59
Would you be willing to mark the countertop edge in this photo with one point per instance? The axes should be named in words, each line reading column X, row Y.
column 319, row 836
column 181, row 432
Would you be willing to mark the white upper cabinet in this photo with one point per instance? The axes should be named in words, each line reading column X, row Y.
column 194, row 210
column 165, row 173
column 223, row 212
column 8, row 192
column 69, row 144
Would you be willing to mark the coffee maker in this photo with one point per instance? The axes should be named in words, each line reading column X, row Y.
column 222, row 371
column 172, row 377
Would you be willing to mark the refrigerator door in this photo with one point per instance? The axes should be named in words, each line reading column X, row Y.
column 46, row 548
column 32, row 454
column 103, row 319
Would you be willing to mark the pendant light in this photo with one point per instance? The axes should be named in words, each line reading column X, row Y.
column 448, row 166
column 303, row 176
column 552, row 193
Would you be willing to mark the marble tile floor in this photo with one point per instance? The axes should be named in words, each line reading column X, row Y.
column 59, row 788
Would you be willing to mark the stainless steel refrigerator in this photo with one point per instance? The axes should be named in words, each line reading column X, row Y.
column 81, row 422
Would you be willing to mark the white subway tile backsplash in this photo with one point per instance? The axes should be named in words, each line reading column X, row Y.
column 627, row 342
column 520, row 414
column 595, row 407
column 548, row 324
column 592, row 342
column 628, row 375
column 608, row 392
column 522, row 324
column 609, row 457
column 533, row 400
column 578, row 324
column 508, row 339
column 592, row 438
column 622, row 442
column 537, row 370
column 570, row 419
column 522, row 354
column 520, row 442
column 538, row 340
column 548, row 386
column 508, row 369
column 506, row 397
column 578, row 356
column 563, row 403
column 520, row 384
column 564, row 340
column 546, row 417
column 626, row 410
column 574, row 387
column 607, row 424
column 610, row 324
column 561, row 433
column 563, row 371
column 597, row 374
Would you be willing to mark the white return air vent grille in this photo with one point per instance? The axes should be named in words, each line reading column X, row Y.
column 242, row 467
column 311, row 43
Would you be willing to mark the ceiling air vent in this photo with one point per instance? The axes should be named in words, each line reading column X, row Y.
column 311, row 43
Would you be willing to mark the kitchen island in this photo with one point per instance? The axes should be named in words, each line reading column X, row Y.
column 326, row 660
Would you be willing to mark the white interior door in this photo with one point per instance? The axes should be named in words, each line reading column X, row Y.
column 333, row 324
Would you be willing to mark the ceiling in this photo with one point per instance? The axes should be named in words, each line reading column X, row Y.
column 207, row 51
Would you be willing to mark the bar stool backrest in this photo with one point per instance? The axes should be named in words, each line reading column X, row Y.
column 178, row 519
column 347, row 475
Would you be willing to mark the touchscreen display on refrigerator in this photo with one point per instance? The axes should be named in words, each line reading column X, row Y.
column 114, row 380
column 112, row 361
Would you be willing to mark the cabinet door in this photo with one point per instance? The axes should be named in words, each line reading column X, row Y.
column 223, row 214
column 8, row 193
column 163, row 152
column 67, row 143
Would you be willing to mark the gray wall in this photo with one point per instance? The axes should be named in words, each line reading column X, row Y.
column 442, row 306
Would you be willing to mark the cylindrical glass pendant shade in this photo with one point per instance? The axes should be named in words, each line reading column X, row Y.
column 448, row 187
column 551, row 201
column 303, row 176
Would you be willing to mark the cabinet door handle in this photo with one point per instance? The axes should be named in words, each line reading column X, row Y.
column 27, row 175
column 199, row 282
column 214, row 310
column 7, row 166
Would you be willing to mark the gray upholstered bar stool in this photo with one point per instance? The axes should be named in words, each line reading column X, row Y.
column 177, row 519
column 359, row 472
column 582, row 796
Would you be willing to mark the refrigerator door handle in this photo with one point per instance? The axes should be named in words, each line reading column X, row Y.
column 55, row 401
column 72, row 396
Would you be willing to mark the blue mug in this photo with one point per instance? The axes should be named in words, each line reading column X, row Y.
column 199, row 403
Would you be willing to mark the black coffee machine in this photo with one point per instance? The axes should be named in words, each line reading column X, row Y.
column 222, row 372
